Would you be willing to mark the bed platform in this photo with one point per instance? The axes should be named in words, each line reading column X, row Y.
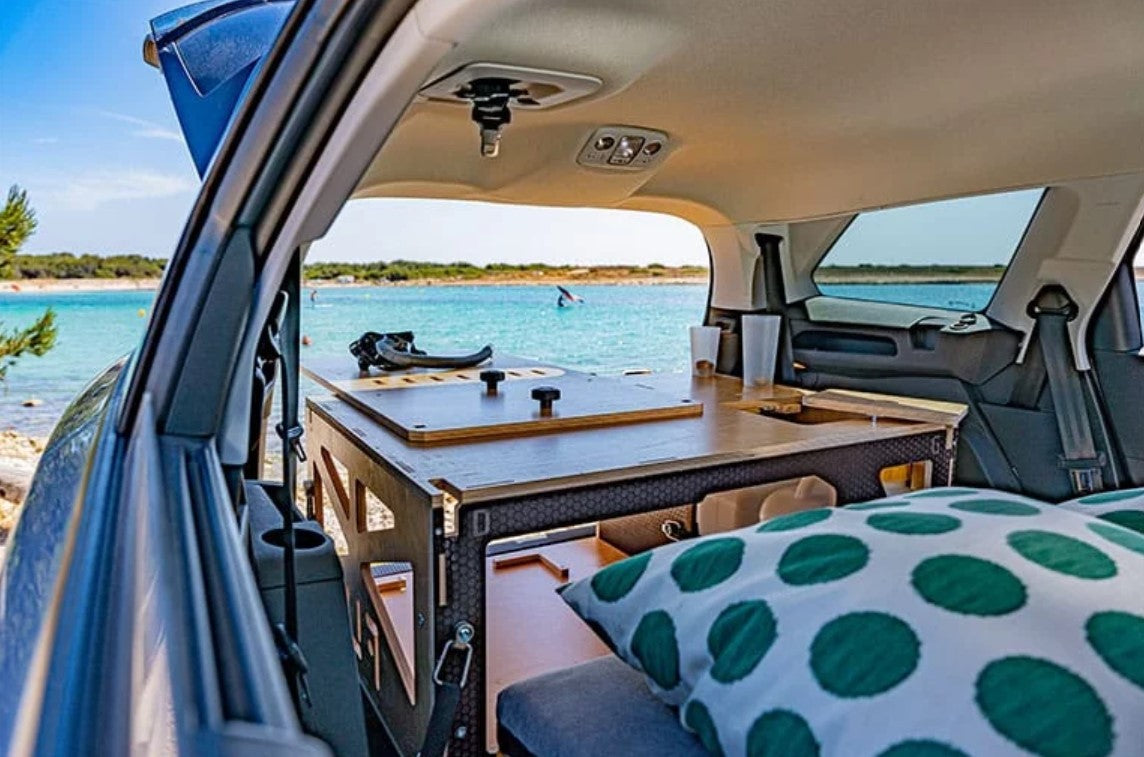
column 446, row 507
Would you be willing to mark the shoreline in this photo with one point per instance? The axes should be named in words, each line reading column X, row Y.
column 19, row 455
column 52, row 286
column 569, row 279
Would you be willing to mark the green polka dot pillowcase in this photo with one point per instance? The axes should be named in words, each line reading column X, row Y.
column 1124, row 508
column 949, row 622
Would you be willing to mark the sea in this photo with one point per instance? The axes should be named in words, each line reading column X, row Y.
column 617, row 328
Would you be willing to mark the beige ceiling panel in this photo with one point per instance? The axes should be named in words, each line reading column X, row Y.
column 794, row 109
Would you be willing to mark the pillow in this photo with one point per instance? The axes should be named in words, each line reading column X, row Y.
column 1124, row 507
column 943, row 622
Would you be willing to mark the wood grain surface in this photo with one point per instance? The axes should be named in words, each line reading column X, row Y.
column 457, row 407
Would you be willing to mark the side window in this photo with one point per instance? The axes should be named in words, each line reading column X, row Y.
column 947, row 254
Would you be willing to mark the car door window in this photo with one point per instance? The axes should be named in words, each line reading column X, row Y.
column 947, row 254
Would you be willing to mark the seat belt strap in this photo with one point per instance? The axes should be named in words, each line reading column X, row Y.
column 446, row 693
column 280, row 344
column 1053, row 309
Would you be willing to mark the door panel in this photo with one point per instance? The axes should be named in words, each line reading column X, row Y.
column 1005, row 443
column 933, row 346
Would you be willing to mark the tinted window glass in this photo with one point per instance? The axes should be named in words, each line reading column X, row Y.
column 947, row 254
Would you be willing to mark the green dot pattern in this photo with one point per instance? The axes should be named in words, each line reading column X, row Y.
column 698, row 718
column 707, row 564
column 1063, row 554
column 739, row 638
column 781, row 733
column 968, row 585
column 821, row 558
column 917, row 524
column 655, row 646
column 796, row 520
column 863, row 653
column 1118, row 637
column 989, row 506
column 1044, row 708
column 614, row 582
column 1119, row 536
column 922, row 748
column 1130, row 519
column 1105, row 498
column 840, row 630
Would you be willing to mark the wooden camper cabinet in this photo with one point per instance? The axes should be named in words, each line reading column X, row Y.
column 418, row 516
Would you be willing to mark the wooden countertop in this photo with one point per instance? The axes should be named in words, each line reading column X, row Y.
column 728, row 431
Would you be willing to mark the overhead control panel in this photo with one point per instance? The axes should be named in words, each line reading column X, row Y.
column 626, row 148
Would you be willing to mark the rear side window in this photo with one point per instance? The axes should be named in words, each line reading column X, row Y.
column 947, row 254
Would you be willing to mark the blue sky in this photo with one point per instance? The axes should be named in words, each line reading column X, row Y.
column 87, row 129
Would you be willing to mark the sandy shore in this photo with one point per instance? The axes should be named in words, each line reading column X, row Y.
column 40, row 286
column 576, row 277
column 34, row 286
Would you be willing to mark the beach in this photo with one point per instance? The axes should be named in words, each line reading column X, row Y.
column 626, row 323
column 572, row 278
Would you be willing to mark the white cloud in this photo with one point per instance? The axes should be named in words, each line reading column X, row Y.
column 90, row 190
column 145, row 129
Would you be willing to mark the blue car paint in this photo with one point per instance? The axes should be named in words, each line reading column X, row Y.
column 41, row 541
column 208, row 53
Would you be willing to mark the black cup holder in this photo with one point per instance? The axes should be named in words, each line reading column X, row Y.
column 304, row 538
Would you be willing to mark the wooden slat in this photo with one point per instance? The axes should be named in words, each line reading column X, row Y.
column 886, row 406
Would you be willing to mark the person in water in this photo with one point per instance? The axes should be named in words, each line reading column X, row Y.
column 566, row 298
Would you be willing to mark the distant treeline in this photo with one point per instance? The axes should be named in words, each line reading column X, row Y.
column 875, row 274
column 64, row 265
column 409, row 270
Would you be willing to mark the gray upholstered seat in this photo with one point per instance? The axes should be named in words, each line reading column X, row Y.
column 598, row 707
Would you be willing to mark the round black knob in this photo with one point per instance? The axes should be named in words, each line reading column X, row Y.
column 546, row 395
column 491, row 379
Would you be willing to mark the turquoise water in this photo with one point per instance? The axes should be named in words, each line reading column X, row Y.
column 619, row 327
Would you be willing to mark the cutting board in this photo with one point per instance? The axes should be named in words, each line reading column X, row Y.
column 432, row 407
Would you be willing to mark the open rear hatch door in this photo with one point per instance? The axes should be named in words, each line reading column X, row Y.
column 208, row 53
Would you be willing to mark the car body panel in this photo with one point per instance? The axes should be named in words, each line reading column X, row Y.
column 208, row 53
column 42, row 539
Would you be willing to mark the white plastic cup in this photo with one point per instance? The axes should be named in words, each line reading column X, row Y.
column 704, row 350
column 760, row 348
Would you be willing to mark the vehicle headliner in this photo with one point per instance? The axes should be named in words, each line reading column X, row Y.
column 791, row 109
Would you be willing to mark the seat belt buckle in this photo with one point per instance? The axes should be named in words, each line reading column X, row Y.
column 292, row 438
column 1085, row 475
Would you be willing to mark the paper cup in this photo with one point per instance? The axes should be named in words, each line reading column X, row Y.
column 760, row 348
column 704, row 350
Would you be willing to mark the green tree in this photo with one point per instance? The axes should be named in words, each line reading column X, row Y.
column 17, row 223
